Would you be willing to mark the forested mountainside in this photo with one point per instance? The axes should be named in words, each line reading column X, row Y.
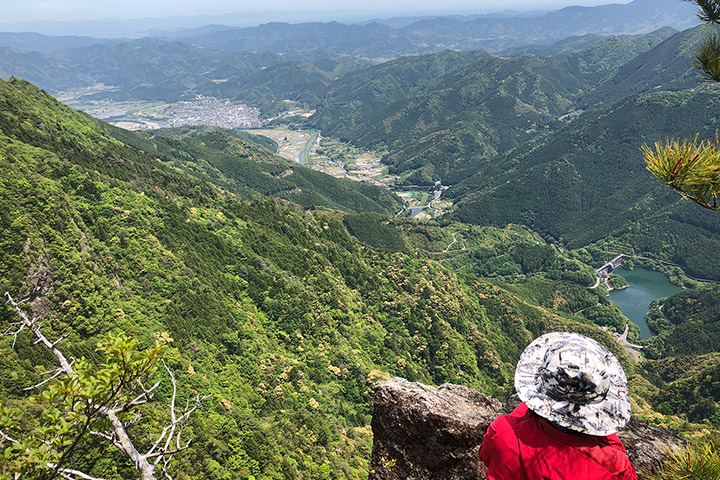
column 242, row 163
column 277, row 311
column 447, row 123
column 684, row 361
column 688, row 323
column 668, row 66
column 55, row 74
column 588, row 183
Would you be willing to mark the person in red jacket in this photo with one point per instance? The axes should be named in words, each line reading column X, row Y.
column 575, row 398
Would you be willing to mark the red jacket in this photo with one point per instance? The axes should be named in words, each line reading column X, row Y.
column 524, row 446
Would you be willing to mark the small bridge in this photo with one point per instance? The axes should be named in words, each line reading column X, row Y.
column 604, row 272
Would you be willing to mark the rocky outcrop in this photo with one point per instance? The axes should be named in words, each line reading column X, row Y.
column 428, row 433
column 647, row 445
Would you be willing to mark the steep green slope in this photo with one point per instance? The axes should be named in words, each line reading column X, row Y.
column 687, row 386
column 233, row 160
column 692, row 323
column 514, row 257
column 54, row 74
column 278, row 312
column 588, row 182
column 665, row 67
column 685, row 364
column 603, row 59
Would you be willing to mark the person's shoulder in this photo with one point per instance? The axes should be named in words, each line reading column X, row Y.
column 509, row 424
column 615, row 442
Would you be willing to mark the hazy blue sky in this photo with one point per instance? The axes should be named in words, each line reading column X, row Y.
column 63, row 10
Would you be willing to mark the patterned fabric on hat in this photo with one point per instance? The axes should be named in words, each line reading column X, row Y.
column 575, row 382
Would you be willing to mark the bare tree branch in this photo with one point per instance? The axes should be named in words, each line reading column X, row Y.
column 10, row 333
column 62, row 337
column 134, row 421
column 141, row 399
column 110, row 438
column 58, row 372
column 104, row 435
column 73, row 474
column 169, row 452
column 35, row 328
column 167, row 444
column 5, row 436
column 172, row 433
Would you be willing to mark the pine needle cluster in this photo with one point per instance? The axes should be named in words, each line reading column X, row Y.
column 709, row 11
column 708, row 55
column 690, row 167
column 708, row 58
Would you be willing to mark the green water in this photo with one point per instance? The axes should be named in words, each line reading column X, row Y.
column 644, row 287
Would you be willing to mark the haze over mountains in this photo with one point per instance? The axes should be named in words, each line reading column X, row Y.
column 133, row 25
column 433, row 33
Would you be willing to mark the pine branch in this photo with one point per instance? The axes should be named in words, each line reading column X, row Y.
column 707, row 58
column 709, row 10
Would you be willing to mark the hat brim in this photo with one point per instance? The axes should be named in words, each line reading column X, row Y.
column 600, row 419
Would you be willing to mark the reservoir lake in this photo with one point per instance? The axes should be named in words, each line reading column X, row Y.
column 644, row 287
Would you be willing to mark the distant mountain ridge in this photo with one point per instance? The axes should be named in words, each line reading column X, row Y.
column 36, row 42
column 184, row 25
column 428, row 35
column 228, row 62
column 403, row 35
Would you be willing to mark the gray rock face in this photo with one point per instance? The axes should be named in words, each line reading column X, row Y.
column 428, row 433
column 423, row 432
column 647, row 445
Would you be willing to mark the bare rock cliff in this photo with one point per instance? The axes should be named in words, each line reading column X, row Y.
column 428, row 433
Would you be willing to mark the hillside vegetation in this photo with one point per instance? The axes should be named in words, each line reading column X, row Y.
column 441, row 117
column 275, row 310
column 587, row 183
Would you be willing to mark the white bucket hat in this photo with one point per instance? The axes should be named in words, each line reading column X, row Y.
column 575, row 382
